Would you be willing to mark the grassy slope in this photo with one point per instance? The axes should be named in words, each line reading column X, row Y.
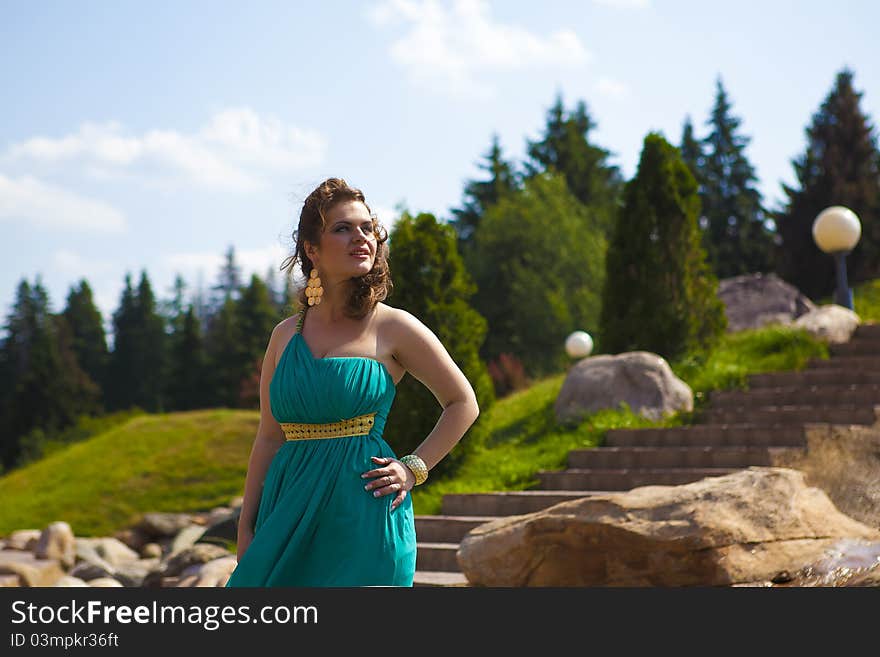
column 196, row 460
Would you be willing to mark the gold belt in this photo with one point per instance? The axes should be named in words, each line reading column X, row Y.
column 356, row 426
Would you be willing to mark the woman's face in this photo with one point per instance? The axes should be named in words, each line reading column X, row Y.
column 348, row 233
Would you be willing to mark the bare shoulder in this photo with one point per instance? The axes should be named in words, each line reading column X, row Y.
column 424, row 356
column 282, row 332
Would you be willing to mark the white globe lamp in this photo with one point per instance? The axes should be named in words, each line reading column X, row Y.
column 579, row 344
column 836, row 231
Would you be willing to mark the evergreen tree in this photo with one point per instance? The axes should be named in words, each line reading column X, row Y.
column 431, row 283
column 659, row 294
column 224, row 355
column 692, row 152
column 257, row 317
column 229, row 281
column 121, row 393
column 538, row 264
column 736, row 238
column 479, row 195
column 88, row 340
column 153, row 358
column 566, row 149
column 138, row 362
column 174, row 310
column 188, row 368
column 840, row 166
column 44, row 387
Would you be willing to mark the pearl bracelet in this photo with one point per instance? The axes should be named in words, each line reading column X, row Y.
column 418, row 467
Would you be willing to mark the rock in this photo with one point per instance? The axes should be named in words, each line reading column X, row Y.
column 157, row 525
column 70, row 581
column 10, row 581
column 199, row 553
column 57, row 542
column 844, row 461
column 755, row 300
column 23, row 539
column 832, row 323
column 111, row 550
column 186, row 537
column 218, row 514
column 642, row 379
column 90, row 564
column 212, row 573
column 31, row 570
column 848, row 562
column 151, row 550
column 133, row 538
column 744, row 527
column 133, row 573
column 105, row 582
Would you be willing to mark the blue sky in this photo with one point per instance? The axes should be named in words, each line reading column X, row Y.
column 154, row 135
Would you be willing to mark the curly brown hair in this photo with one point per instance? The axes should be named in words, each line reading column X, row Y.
column 367, row 290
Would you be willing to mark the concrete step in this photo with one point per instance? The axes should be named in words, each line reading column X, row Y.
column 508, row 503
column 867, row 330
column 866, row 363
column 708, row 435
column 814, row 377
column 677, row 457
column 439, row 578
column 795, row 414
column 855, row 347
column 447, row 529
column 830, row 395
column 436, row 556
column 624, row 479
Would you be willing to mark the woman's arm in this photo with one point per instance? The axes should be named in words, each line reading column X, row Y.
column 268, row 439
column 420, row 351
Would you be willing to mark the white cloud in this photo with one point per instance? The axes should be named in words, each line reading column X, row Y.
column 88, row 267
column 448, row 48
column 30, row 200
column 233, row 151
column 611, row 88
column 624, row 4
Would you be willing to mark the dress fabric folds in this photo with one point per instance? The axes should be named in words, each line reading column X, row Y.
column 316, row 525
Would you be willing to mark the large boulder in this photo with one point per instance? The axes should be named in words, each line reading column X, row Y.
column 754, row 300
column 642, row 379
column 30, row 570
column 832, row 323
column 57, row 542
column 744, row 527
column 844, row 461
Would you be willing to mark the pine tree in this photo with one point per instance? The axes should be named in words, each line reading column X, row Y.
column 224, row 355
column 840, row 166
column 692, row 152
column 229, row 280
column 659, row 293
column 154, row 356
column 479, row 195
column 257, row 317
column 88, row 339
column 538, row 264
column 139, row 360
column 736, row 238
column 47, row 389
column 566, row 148
column 431, row 283
column 188, row 372
column 123, row 365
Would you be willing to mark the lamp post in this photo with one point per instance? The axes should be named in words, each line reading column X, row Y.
column 836, row 230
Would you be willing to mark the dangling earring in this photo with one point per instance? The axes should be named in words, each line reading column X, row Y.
column 314, row 291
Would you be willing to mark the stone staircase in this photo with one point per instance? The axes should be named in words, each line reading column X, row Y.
column 737, row 429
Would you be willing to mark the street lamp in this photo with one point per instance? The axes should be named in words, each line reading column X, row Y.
column 836, row 231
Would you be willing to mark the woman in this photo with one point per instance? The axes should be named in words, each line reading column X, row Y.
column 326, row 500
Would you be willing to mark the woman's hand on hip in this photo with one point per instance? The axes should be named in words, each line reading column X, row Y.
column 390, row 477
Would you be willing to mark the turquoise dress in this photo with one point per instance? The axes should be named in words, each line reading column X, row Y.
column 316, row 525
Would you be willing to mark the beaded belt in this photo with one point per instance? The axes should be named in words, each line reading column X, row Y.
column 356, row 426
